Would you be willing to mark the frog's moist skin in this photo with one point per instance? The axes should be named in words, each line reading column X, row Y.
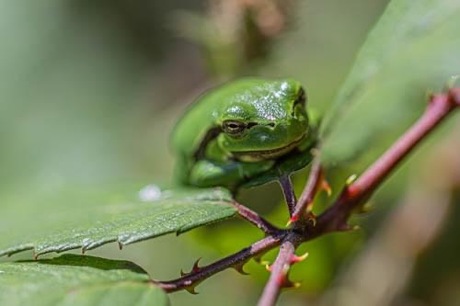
column 237, row 132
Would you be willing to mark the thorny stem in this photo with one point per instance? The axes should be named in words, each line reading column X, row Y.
column 333, row 219
column 279, row 272
column 236, row 260
column 311, row 188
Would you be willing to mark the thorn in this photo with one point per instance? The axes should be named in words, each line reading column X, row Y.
column 258, row 259
column 240, row 268
column 190, row 286
column 292, row 219
column 120, row 245
column 309, row 206
column 83, row 251
column 312, row 218
column 196, row 268
column 351, row 179
column 191, row 289
column 268, row 267
column 295, row 259
column 291, row 284
column 264, row 263
column 285, row 282
column 324, row 185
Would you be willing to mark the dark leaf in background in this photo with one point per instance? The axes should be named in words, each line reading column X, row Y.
column 411, row 51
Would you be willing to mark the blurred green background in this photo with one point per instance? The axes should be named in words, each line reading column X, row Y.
column 90, row 90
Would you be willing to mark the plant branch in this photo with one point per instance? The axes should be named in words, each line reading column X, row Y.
column 254, row 218
column 336, row 217
column 310, row 190
column 279, row 271
column 190, row 280
column 355, row 194
column 332, row 219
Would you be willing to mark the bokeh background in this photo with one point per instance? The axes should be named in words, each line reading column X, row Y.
column 90, row 90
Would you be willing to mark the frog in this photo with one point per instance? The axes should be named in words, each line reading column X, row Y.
column 244, row 133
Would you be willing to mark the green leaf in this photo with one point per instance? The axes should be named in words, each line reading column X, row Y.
column 77, row 280
column 88, row 220
column 413, row 49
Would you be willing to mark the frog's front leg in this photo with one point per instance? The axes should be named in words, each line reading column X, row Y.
column 206, row 173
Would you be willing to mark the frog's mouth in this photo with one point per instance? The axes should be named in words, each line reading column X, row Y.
column 255, row 156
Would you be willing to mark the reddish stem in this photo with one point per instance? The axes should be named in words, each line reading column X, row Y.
column 254, row 218
column 309, row 192
column 333, row 219
column 358, row 192
column 279, row 271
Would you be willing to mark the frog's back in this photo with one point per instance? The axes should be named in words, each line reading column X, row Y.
column 194, row 124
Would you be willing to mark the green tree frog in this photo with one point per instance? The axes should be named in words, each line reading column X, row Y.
column 245, row 133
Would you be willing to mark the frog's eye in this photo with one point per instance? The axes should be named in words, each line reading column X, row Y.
column 233, row 127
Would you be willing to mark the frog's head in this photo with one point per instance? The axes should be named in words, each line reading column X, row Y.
column 262, row 119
